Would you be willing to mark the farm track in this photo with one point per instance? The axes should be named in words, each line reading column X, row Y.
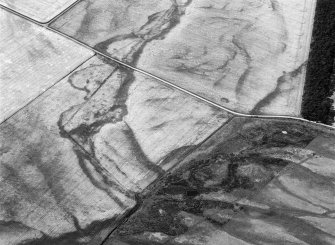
column 238, row 114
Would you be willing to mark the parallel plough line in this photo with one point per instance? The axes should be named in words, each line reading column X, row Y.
column 45, row 25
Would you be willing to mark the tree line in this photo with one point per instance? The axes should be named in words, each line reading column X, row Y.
column 320, row 77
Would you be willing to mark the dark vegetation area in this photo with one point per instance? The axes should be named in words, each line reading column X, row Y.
column 179, row 190
column 239, row 164
column 320, row 80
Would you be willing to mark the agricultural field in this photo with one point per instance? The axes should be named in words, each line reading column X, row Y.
column 29, row 55
column 39, row 10
column 74, row 159
column 249, row 56
column 187, row 122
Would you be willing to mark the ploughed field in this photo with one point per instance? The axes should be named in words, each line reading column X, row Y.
column 113, row 127
column 249, row 56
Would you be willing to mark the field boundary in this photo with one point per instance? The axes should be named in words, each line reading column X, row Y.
column 235, row 113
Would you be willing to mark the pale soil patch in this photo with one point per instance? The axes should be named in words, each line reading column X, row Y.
column 40, row 10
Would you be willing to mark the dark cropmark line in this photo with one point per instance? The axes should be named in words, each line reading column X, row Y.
column 46, row 90
column 130, row 212
column 139, row 200
column 167, row 82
